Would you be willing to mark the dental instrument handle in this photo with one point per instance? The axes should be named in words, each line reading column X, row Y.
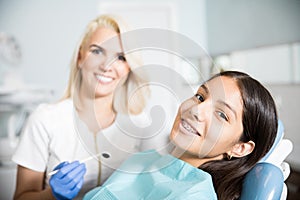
column 53, row 172
column 81, row 161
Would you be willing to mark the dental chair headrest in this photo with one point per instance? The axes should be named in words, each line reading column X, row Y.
column 279, row 136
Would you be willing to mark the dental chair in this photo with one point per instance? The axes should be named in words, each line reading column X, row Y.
column 266, row 180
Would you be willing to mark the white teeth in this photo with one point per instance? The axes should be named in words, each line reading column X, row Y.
column 189, row 128
column 103, row 78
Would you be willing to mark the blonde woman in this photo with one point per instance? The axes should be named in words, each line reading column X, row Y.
column 83, row 123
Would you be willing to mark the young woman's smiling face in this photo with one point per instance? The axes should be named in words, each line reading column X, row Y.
column 209, row 124
column 102, row 63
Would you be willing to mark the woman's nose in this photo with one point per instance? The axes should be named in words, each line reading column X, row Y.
column 106, row 64
column 201, row 112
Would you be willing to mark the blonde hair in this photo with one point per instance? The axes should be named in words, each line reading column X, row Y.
column 130, row 97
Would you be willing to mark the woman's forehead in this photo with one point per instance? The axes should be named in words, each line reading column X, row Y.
column 222, row 87
column 220, row 84
column 106, row 38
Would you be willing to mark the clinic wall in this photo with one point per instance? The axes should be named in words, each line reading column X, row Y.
column 243, row 24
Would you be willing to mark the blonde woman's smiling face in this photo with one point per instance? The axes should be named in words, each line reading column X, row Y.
column 210, row 123
column 102, row 62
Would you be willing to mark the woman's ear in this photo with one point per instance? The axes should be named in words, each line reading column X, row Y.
column 242, row 149
column 79, row 57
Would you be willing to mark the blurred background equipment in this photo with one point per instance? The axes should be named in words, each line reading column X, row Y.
column 17, row 101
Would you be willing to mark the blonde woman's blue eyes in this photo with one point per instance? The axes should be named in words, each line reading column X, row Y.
column 199, row 97
column 97, row 51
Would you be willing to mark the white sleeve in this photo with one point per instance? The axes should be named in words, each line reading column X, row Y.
column 32, row 151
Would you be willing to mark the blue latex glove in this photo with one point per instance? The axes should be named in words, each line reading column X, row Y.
column 67, row 182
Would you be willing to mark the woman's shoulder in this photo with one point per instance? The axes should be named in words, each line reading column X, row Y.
column 54, row 111
column 61, row 106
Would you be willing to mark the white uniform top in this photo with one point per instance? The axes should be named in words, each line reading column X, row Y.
column 54, row 134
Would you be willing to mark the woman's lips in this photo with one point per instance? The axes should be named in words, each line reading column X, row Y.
column 104, row 79
column 187, row 129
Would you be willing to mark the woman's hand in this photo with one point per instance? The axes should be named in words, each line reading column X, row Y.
column 67, row 182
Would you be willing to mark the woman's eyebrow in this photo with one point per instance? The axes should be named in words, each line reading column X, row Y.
column 94, row 45
column 205, row 88
column 121, row 54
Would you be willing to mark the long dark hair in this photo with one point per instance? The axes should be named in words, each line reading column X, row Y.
column 259, row 125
